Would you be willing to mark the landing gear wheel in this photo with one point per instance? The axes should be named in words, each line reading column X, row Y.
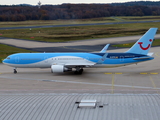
column 78, row 72
column 15, row 71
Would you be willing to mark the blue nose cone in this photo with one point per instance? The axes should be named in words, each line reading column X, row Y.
column 4, row 61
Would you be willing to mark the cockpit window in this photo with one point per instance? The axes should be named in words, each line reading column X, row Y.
column 8, row 58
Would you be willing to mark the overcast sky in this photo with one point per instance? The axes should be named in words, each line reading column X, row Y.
column 54, row 2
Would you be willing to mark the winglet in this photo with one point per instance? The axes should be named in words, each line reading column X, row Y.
column 104, row 49
column 104, row 57
column 142, row 46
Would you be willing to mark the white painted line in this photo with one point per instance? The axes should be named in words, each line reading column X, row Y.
column 100, row 84
column 62, row 81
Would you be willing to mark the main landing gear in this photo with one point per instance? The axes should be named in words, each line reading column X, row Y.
column 78, row 71
column 14, row 71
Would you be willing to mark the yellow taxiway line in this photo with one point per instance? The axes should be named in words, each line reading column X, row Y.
column 154, row 73
column 157, row 55
column 118, row 73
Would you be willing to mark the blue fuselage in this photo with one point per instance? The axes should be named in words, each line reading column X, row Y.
column 45, row 60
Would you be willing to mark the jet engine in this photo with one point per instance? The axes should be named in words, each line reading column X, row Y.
column 59, row 69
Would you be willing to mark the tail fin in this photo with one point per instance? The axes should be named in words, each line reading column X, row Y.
column 142, row 46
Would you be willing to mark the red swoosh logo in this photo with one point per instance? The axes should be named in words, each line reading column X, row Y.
column 140, row 43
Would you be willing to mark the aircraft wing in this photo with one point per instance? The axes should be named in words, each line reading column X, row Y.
column 80, row 64
column 146, row 57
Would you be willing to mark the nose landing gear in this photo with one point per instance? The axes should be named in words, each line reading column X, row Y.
column 14, row 71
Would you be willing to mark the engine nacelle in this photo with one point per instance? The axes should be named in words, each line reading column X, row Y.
column 59, row 69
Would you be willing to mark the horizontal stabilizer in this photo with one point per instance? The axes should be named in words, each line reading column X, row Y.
column 142, row 58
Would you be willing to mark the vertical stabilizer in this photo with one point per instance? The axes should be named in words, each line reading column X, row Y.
column 142, row 46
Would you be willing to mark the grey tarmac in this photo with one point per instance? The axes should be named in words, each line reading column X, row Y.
column 35, row 44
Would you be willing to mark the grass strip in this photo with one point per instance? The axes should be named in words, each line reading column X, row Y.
column 6, row 50
column 64, row 34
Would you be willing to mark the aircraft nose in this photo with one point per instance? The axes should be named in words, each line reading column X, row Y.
column 4, row 61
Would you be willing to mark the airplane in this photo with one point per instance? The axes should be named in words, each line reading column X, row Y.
column 64, row 62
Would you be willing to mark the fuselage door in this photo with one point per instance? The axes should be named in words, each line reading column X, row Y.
column 46, row 59
column 17, row 59
column 121, row 58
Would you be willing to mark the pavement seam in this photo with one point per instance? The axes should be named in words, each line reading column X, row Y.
column 153, row 83
column 112, row 83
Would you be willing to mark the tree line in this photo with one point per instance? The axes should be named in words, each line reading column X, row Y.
column 73, row 11
column 141, row 3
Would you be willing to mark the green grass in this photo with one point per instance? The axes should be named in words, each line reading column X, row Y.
column 6, row 50
column 56, row 22
column 128, row 45
column 78, row 21
column 139, row 18
column 64, row 34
